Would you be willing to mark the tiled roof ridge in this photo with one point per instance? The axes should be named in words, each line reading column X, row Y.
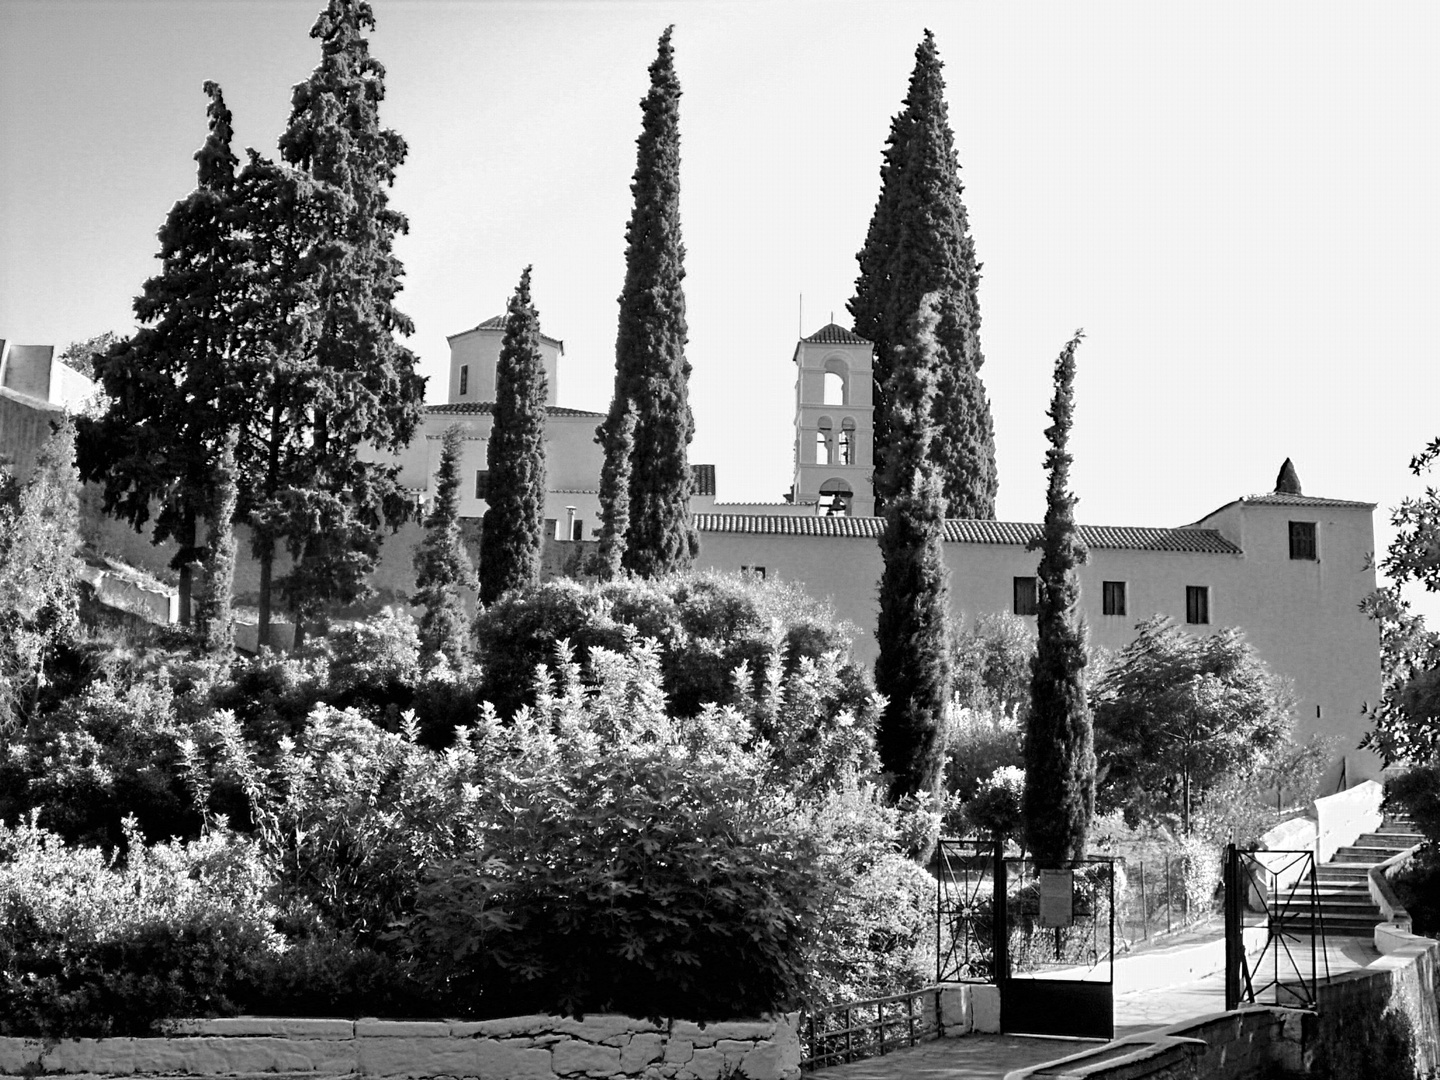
column 482, row 408
column 497, row 322
column 977, row 531
column 1285, row 498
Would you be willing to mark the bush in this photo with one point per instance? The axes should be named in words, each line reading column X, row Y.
column 978, row 742
column 991, row 669
column 89, row 946
column 708, row 626
column 1416, row 792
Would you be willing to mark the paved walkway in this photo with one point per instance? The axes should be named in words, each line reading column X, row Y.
column 990, row 1057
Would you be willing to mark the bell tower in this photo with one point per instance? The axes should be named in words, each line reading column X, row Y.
column 834, row 433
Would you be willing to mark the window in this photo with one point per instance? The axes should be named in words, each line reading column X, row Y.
column 753, row 571
column 847, row 443
column 1197, row 604
column 822, row 447
column 1026, row 598
column 482, row 484
column 577, row 529
column 1112, row 597
column 464, row 379
column 1302, row 540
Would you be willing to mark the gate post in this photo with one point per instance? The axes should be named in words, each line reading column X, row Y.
column 1000, row 921
column 1234, row 928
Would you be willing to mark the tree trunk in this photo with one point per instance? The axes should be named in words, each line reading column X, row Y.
column 187, row 570
column 262, row 636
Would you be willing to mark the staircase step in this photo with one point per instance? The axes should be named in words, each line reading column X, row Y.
column 1397, row 840
column 1362, row 853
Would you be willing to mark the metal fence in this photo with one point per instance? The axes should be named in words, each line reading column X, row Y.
column 861, row 1029
column 1155, row 900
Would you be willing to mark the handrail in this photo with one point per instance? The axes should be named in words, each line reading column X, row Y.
column 864, row 1037
column 1383, row 893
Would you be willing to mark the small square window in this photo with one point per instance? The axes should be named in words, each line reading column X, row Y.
column 464, row 379
column 753, row 571
column 1112, row 597
column 1197, row 604
column 1027, row 600
column 482, row 484
column 1302, row 540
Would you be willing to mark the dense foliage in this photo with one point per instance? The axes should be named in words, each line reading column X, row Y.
column 652, row 374
column 443, row 573
column 515, row 455
column 1059, row 737
column 39, row 576
column 919, row 244
column 1174, row 713
column 913, row 668
column 1405, row 722
column 734, row 859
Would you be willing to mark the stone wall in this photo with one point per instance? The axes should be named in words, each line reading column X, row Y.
column 519, row 1048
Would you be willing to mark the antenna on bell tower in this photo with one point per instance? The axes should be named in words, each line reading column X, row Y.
column 800, row 326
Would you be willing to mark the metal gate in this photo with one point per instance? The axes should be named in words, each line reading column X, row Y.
column 1059, row 972
column 965, row 910
column 1046, row 937
column 1276, row 892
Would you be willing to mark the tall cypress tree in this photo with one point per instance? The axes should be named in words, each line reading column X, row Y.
column 515, row 520
column 346, row 379
column 913, row 669
column 172, row 385
column 651, row 372
column 617, row 435
column 1059, row 795
column 919, row 243
column 442, row 568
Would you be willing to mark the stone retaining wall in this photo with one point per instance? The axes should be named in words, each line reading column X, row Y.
column 518, row 1048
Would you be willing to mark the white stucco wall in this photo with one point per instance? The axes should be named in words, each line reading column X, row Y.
column 1302, row 617
column 479, row 350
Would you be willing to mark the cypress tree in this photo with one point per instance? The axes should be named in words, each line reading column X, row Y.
column 617, row 435
column 1059, row 795
column 913, row 669
column 442, row 568
column 344, row 378
column 172, row 385
column 919, row 243
column 515, row 520
column 215, row 619
column 651, row 372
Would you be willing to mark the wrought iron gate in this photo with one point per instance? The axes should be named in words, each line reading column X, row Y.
column 965, row 910
column 1045, row 937
column 1279, row 892
column 1059, row 971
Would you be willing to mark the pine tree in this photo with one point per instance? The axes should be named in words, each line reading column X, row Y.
column 919, row 243
column 322, row 236
column 651, row 372
column 515, row 521
column 617, row 435
column 1059, row 797
column 913, row 669
column 215, row 620
column 442, row 568
column 172, row 384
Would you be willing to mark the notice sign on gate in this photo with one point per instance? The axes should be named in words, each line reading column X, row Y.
column 1057, row 898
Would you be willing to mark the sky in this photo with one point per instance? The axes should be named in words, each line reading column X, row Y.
column 1236, row 201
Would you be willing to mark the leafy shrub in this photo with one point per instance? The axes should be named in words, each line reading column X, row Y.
column 708, row 626
column 1416, row 792
column 89, row 946
column 995, row 808
column 991, row 667
column 978, row 742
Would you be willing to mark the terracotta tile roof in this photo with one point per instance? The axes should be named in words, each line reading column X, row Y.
column 1283, row 498
column 833, row 334
column 969, row 531
column 484, row 408
column 498, row 323
column 702, row 479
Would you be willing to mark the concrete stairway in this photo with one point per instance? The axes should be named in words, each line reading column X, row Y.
column 1343, row 882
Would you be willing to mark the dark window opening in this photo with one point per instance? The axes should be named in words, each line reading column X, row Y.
column 1197, row 604
column 754, row 571
column 482, row 484
column 1113, row 597
column 1302, row 540
column 577, row 531
column 464, row 379
column 1027, row 599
